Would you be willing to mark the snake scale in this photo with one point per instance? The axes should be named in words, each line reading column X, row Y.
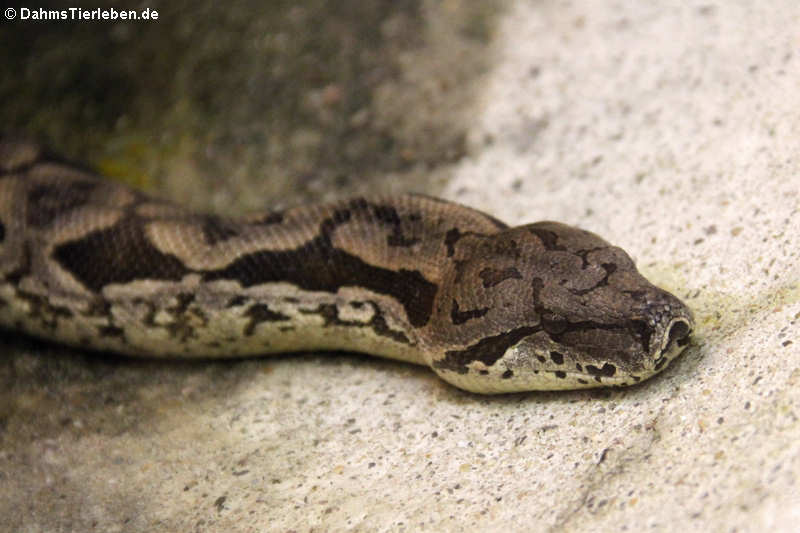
column 490, row 308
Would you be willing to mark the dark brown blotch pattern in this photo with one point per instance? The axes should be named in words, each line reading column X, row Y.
column 610, row 268
column 259, row 313
column 118, row 254
column 388, row 216
column 607, row 370
column 458, row 317
column 320, row 266
column 216, row 229
column 491, row 276
column 46, row 202
column 276, row 217
column 41, row 310
column 330, row 314
column 487, row 350
column 548, row 238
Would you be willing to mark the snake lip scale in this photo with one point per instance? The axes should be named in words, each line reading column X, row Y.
column 490, row 308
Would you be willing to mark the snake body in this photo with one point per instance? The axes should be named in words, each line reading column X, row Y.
column 490, row 308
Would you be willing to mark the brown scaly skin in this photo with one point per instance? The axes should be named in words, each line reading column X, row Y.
column 491, row 309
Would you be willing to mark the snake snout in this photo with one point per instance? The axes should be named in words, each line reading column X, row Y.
column 677, row 333
column 675, row 339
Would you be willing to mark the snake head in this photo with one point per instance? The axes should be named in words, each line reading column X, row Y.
column 548, row 306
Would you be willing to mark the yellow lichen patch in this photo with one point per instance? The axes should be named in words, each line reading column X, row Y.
column 126, row 161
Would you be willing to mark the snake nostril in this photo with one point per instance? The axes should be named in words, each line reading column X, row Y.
column 678, row 333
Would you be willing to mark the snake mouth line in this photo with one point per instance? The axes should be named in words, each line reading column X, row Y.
column 674, row 341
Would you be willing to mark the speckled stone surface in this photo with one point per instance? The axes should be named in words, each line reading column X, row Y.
column 672, row 130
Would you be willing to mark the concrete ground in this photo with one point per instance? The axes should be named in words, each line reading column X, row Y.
column 672, row 129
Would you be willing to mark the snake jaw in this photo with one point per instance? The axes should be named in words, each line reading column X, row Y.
column 529, row 364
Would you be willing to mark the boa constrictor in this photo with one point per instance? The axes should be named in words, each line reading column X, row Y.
column 489, row 308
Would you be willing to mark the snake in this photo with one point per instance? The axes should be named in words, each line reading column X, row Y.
column 100, row 266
